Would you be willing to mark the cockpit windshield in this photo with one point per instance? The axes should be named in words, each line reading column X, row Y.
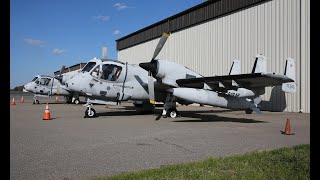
column 35, row 78
column 88, row 66
column 110, row 72
column 44, row 81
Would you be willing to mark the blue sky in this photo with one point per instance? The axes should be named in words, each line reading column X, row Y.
column 46, row 34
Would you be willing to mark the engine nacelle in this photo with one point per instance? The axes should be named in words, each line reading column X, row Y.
column 168, row 71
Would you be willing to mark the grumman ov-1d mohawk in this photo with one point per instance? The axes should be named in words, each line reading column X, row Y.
column 47, row 86
column 169, row 82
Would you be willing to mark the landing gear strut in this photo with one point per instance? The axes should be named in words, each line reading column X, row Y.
column 90, row 112
column 169, row 108
column 35, row 100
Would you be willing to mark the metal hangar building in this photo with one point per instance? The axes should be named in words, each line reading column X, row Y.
column 209, row 36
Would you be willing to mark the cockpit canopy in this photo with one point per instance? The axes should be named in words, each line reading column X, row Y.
column 43, row 81
column 110, row 72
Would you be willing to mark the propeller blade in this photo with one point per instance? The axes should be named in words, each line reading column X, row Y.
column 151, row 89
column 161, row 43
column 62, row 69
column 59, row 77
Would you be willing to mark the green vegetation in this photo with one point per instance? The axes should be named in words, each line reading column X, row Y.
column 17, row 88
column 284, row 163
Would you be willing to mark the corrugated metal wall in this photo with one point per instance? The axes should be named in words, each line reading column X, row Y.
column 205, row 11
column 273, row 29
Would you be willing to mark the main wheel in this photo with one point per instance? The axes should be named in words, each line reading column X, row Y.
column 172, row 113
column 76, row 101
column 90, row 113
column 68, row 99
column 248, row 111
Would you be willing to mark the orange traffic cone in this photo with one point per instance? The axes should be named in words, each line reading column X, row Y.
column 13, row 102
column 287, row 130
column 22, row 100
column 46, row 115
column 57, row 100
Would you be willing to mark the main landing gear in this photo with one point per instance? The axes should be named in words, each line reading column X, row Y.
column 169, row 108
column 71, row 99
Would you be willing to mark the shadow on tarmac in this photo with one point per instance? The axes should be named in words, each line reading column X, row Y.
column 196, row 117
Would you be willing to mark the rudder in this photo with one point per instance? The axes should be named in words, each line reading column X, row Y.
column 235, row 67
column 260, row 64
column 290, row 72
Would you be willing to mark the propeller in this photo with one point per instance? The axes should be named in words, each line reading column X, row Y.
column 59, row 77
column 152, row 66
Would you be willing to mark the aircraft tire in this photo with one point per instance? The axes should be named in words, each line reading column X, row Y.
column 248, row 111
column 77, row 101
column 172, row 113
column 68, row 99
column 90, row 114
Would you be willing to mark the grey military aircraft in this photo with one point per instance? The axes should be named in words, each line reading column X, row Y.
column 47, row 86
column 109, row 81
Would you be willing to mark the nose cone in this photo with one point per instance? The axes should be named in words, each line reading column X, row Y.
column 25, row 88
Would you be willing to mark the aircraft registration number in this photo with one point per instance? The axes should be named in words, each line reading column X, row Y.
column 233, row 94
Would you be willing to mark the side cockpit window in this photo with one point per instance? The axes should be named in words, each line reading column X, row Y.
column 95, row 73
column 111, row 72
column 88, row 66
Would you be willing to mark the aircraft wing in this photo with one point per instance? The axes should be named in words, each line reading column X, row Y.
column 249, row 81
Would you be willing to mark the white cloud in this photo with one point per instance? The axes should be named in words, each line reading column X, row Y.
column 58, row 51
column 120, row 6
column 102, row 18
column 116, row 32
column 34, row 42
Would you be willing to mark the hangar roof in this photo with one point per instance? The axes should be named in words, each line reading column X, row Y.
column 71, row 68
column 201, row 13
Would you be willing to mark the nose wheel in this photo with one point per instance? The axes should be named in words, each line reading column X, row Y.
column 90, row 113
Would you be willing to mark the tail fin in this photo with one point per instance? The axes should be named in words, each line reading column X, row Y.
column 235, row 68
column 260, row 64
column 290, row 72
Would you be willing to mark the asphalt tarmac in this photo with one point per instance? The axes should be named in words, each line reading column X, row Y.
column 122, row 139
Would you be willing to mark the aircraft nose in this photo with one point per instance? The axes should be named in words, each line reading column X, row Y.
column 25, row 88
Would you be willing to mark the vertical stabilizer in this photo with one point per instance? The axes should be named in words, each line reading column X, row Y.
column 290, row 72
column 235, row 67
column 260, row 64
